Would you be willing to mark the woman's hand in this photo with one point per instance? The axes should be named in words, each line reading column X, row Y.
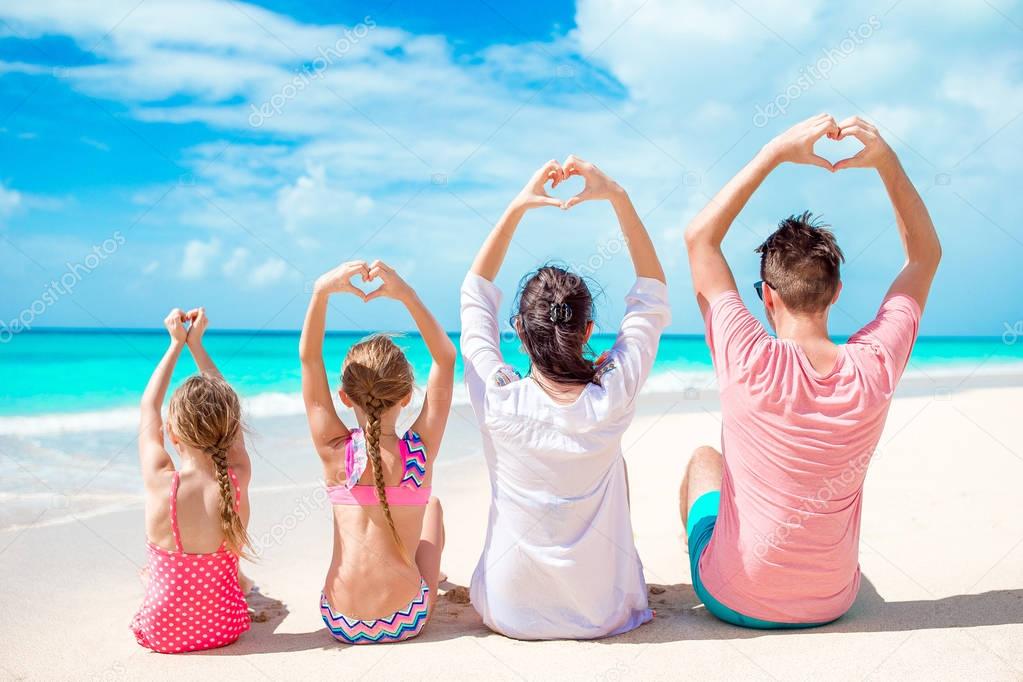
column 197, row 325
column 340, row 278
column 175, row 324
column 534, row 194
column 393, row 286
column 598, row 184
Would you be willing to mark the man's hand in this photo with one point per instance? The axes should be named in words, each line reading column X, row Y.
column 875, row 153
column 795, row 145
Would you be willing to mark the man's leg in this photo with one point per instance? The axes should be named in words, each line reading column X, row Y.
column 703, row 475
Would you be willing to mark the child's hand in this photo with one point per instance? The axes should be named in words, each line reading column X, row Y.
column 197, row 327
column 175, row 324
column 598, row 184
column 339, row 279
column 393, row 285
column 535, row 193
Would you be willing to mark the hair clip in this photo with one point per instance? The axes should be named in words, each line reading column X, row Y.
column 560, row 312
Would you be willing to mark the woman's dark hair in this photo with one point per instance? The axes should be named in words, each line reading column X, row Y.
column 555, row 308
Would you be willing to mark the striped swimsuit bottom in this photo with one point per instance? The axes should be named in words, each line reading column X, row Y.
column 404, row 623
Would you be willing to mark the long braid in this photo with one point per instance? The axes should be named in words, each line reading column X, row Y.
column 373, row 408
column 205, row 414
column 230, row 522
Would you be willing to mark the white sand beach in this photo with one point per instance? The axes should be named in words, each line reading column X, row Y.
column 941, row 553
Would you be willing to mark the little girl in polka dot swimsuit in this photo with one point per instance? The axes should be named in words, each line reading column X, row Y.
column 195, row 516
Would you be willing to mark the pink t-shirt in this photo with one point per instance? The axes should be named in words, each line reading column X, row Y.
column 796, row 445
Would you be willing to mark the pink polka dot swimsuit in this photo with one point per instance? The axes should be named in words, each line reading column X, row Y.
column 193, row 601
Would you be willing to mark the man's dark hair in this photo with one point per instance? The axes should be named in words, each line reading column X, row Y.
column 801, row 261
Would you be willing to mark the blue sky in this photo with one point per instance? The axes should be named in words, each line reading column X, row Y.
column 227, row 153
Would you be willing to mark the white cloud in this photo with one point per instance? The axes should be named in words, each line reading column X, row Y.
column 151, row 267
column 988, row 87
column 235, row 264
column 197, row 257
column 312, row 203
column 10, row 200
column 269, row 271
column 102, row 146
column 654, row 46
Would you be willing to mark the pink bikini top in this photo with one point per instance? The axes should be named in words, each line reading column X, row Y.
column 409, row 492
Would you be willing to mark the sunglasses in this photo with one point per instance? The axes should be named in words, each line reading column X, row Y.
column 759, row 286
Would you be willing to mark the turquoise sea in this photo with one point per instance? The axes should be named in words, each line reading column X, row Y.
column 68, row 412
column 49, row 373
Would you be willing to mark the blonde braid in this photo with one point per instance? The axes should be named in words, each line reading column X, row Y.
column 377, row 376
column 205, row 414
column 230, row 522
column 373, row 408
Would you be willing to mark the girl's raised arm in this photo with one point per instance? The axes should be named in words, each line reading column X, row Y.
column 199, row 322
column 328, row 431
column 237, row 455
column 153, row 456
column 433, row 418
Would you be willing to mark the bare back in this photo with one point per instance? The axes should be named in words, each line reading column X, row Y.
column 198, row 509
column 368, row 577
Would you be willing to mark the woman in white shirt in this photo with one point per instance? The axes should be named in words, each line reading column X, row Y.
column 559, row 560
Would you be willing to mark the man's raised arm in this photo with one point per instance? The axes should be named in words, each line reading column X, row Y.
column 711, row 274
column 919, row 239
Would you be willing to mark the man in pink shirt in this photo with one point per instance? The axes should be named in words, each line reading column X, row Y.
column 773, row 520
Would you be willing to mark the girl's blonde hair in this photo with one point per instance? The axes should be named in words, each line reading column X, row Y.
column 377, row 376
column 205, row 414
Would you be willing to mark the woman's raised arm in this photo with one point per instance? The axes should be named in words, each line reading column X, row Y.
column 600, row 186
column 491, row 255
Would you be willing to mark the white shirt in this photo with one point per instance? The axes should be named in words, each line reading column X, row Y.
column 559, row 560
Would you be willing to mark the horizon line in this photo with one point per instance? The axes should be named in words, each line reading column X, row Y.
column 237, row 331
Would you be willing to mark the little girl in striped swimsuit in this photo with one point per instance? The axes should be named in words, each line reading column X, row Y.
column 388, row 530
column 193, row 596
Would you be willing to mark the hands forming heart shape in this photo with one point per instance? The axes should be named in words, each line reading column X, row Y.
column 597, row 185
column 796, row 144
column 186, row 326
column 340, row 279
